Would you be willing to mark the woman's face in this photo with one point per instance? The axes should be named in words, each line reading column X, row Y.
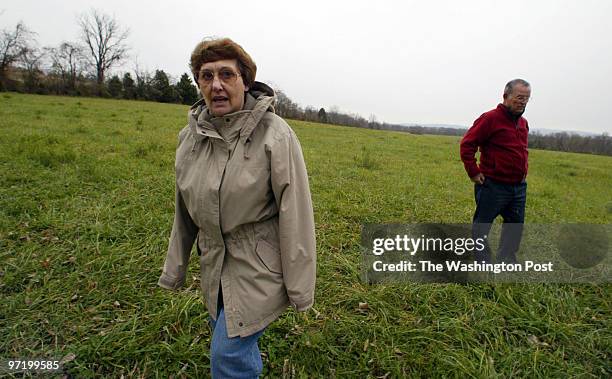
column 222, row 87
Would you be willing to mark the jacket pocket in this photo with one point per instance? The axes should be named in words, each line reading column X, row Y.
column 202, row 248
column 269, row 257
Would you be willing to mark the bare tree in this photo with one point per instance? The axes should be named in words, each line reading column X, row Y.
column 12, row 46
column 333, row 114
column 67, row 62
column 143, row 82
column 31, row 59
column 285, row 107
column 104, row 40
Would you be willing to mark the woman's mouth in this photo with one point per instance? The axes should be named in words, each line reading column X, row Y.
column 219, row 99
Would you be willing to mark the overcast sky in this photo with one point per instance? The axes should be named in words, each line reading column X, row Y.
column 439, row 62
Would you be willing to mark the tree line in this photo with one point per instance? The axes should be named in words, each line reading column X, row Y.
column 572, row 142
column 562, row 141
column 80, row 68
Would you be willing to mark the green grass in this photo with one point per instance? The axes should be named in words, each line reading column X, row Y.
column 86, row 207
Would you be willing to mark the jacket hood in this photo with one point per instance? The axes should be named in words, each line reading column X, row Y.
column 258, row 100
column 261, row 89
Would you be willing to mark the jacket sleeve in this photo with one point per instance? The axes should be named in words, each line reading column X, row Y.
column 184, row 232
column 296, row 220
column 473, row 138
column 526, row 150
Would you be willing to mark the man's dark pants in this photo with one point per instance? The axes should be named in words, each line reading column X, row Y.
column 508, row 200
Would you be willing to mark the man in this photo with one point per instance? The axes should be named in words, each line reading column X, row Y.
column 499, row 179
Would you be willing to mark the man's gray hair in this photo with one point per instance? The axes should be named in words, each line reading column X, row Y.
column 511, row 84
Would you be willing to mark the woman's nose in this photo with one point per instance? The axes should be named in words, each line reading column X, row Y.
column 216, row 84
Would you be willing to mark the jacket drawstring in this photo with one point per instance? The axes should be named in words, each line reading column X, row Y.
column 247, row 143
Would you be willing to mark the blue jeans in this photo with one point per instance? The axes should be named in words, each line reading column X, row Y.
column 234, row 357
column 494, row 199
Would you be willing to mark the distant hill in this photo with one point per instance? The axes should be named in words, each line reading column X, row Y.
column 545, row 132
column 451, row 126
column 541, row 131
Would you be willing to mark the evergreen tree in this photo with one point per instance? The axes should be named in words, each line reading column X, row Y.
column 322, row 115
column 129, row 87
column 115, row 87
column 187, row 91
column 162, row 91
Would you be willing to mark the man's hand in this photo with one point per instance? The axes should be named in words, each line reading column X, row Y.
column 478, row 179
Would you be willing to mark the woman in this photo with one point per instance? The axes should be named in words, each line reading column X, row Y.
column 242, row 191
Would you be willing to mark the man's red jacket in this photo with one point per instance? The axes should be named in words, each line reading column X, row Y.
column 502, row 139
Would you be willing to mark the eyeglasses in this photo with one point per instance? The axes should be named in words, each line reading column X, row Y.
column 522, row 98
column 225, row 75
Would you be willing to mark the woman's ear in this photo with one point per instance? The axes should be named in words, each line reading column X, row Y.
column 246, row 88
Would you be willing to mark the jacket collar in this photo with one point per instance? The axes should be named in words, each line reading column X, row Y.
column 512, row 117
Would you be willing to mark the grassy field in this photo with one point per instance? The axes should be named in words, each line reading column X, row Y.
column 86, row 207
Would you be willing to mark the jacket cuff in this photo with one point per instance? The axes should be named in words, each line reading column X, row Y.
column 472, row 170
column 169, row 282
column 303, row 304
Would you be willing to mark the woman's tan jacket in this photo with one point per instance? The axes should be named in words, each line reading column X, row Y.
column 242, row 192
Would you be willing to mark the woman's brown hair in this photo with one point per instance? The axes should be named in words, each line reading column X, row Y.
column 211, row 50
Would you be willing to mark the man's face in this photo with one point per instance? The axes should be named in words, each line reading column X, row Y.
column 222, row 87
column 517, row 100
